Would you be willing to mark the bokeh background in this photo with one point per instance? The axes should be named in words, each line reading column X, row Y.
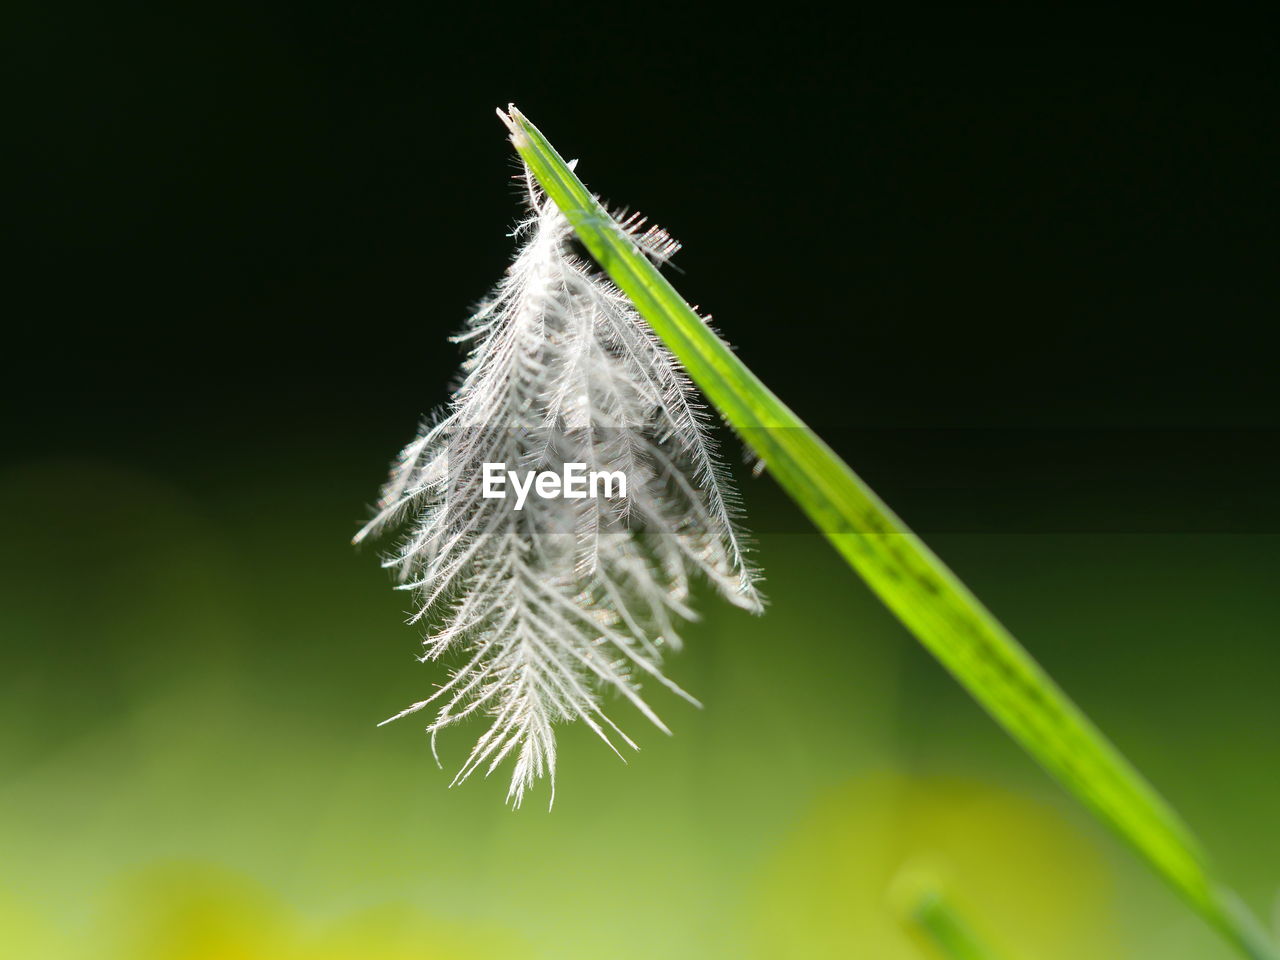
column 1020, row 271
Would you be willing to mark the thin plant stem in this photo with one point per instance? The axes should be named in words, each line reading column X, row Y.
column 936, row 920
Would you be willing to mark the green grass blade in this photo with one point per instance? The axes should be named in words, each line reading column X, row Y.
column 933, row 918
column 947, row 931
column 918, row 587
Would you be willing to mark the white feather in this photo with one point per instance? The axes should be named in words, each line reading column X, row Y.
column 551, row 605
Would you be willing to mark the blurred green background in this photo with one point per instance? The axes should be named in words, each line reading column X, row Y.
column 192, row 768
column 1029, row 291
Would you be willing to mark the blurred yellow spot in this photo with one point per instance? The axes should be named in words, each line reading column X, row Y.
column 1017, row 868
column 199, row 912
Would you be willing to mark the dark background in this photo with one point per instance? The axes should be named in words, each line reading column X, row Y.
column 246, row 226
column 1018, row 269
